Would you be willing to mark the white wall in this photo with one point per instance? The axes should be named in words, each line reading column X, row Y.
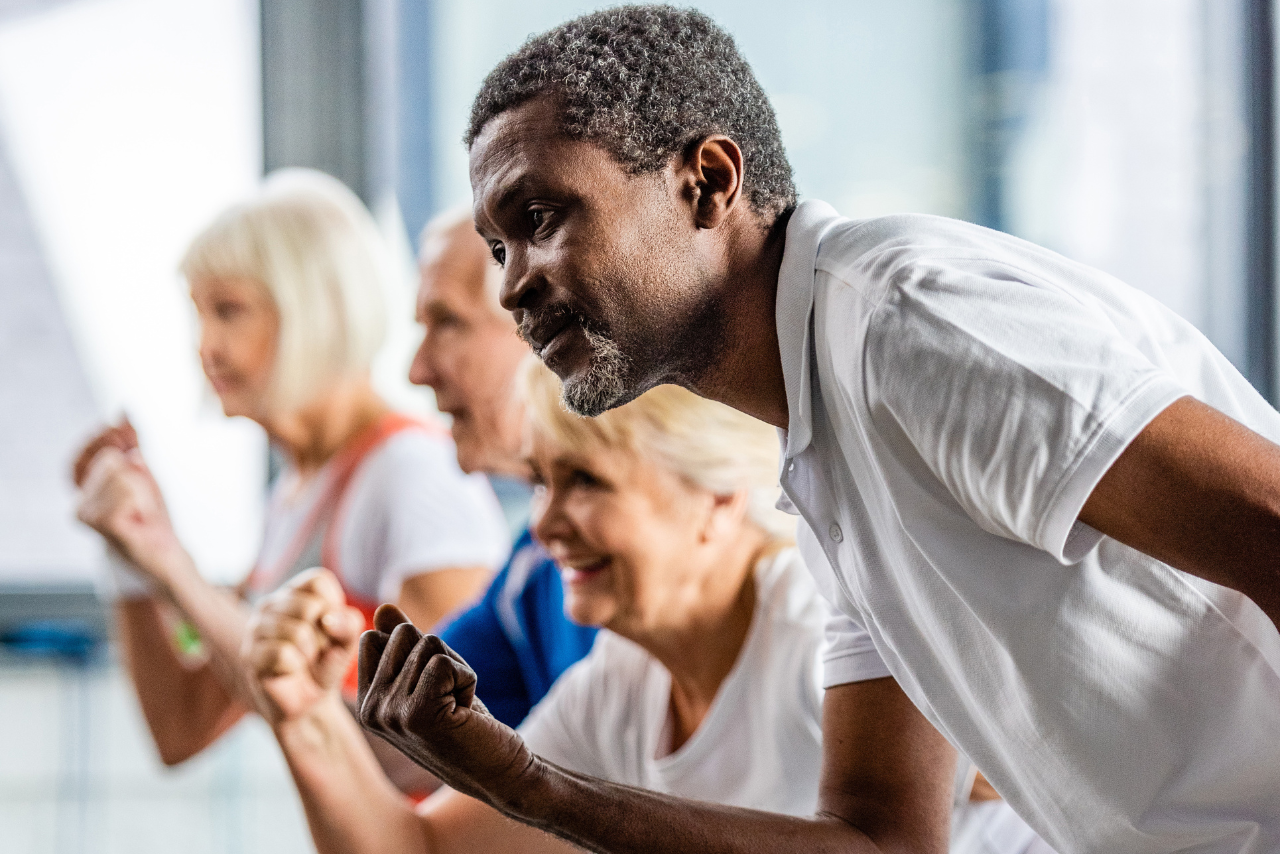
column 130, row 123
column 871, row 96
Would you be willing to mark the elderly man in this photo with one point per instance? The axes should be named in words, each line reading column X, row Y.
column 517, row 636
column 1048, row 509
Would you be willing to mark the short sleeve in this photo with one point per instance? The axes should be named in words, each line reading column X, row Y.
column 412, row 510
column 848, row 655
column 1017, row 394
column 562, row 728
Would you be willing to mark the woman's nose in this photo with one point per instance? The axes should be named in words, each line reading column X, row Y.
column 547, row 519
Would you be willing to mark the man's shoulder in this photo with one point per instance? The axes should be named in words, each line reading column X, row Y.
column 877, row 248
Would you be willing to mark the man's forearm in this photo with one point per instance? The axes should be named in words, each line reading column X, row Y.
column 351, row 806
column 613, row 819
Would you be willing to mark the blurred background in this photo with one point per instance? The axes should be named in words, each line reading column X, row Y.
column 1133, row 135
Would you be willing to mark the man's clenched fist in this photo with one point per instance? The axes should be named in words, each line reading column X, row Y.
column 420, row 696
column 299, row 645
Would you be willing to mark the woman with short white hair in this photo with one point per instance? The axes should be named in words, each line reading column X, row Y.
column 288, row 287
column 705, row 683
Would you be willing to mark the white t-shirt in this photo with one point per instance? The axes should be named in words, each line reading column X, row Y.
column 760, row 745
column 408, row 509
column 954, row 395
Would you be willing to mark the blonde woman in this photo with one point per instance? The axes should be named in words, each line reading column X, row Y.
column 288, row 290
column 704, row 683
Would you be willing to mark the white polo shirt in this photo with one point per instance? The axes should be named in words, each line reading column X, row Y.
column 954, row 395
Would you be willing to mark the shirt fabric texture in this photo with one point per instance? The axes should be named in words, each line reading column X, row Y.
column 954, row 395
column 517, row 638
column 408, row 509
column 760, row 745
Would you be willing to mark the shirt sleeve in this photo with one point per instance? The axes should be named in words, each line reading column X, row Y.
column 1017, row 394
column 416, row 512
column 848, row 653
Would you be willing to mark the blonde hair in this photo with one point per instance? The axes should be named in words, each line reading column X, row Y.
column 313, row 246
column 710, row 445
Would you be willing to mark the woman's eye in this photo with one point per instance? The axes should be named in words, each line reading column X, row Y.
column 499, row 253
column 585, row 478
column 227, row 310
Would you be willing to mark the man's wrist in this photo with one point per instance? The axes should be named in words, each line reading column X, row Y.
column 532, row 793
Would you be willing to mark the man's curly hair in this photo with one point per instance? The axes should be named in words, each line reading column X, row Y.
column 646, row 83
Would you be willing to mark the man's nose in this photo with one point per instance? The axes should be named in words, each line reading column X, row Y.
column 422, row 370
column 519, row 284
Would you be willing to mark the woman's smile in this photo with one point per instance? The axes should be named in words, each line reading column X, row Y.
column 582, row 570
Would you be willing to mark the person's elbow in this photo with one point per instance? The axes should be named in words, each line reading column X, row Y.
column 175, row 749
column 891, row 837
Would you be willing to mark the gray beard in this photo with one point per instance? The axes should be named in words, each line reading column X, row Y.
column 604, row 385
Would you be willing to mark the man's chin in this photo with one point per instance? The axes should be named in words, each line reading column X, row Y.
column 588, row 397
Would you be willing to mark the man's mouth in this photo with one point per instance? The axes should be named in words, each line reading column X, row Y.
column 541, row 329
column 576, row 572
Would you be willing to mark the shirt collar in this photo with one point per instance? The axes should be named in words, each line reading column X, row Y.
column 809, row 223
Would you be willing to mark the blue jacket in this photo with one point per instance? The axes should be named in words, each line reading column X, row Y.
column 517, row 638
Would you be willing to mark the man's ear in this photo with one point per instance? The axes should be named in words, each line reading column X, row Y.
column 713, row 169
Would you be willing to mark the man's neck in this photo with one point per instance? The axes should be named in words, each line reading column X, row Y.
column 748, row 375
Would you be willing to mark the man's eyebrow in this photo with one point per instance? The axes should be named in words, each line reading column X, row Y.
column 507, row 195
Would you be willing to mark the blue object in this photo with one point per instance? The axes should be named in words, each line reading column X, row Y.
column 66, row 639
column 517, row 638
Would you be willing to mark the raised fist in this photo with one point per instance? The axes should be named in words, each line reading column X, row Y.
column 121, row 501
column 299, row 644
column 420, row 696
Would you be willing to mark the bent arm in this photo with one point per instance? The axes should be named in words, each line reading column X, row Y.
column 1200, row 492
column 352, row 808
column 886, row 786
column 186, row 705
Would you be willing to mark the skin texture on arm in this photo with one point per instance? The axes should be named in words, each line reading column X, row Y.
column 886, row 785
column 300, row 642
column 352, row 808
column 186, row 705
column 1200, row 492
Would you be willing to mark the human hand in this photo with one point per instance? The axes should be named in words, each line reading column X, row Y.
column 120, row 499
column 420, row 696
column 299, row 644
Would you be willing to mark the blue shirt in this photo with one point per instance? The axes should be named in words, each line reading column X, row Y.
column 517, row 638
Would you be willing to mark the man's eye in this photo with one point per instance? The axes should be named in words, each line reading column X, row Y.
column 537, row 217
column 499, row 253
